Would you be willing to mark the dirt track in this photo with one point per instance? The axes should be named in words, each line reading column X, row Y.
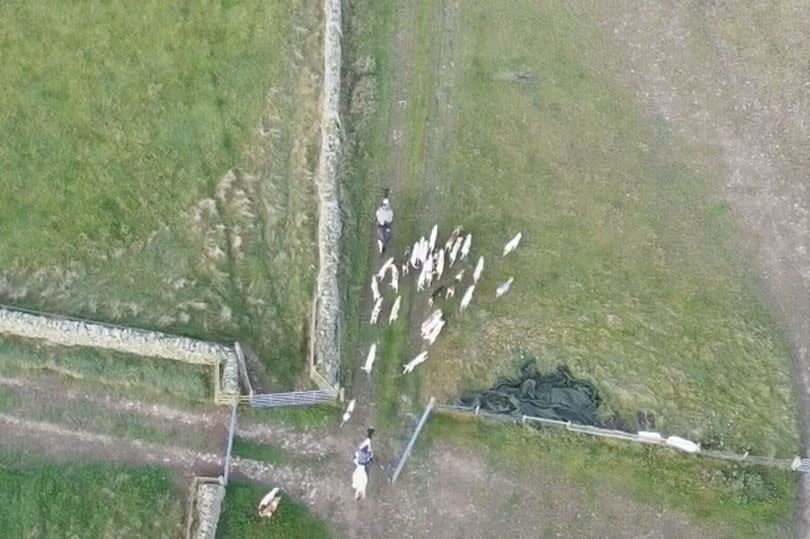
column 451, row 493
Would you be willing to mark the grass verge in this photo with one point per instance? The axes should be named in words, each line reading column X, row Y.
column 258, row 451
column 148, row 378
column 47, row 500
column 738, row 501
column 239, row 519
column 303, row 417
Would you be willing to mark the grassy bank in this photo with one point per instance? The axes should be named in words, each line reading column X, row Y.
column 143, row 378
column 302, row 417
column 368, row 61
column 239, row 519
column 263, row 452
column 121, row 126
column 96, row 417
column 628, row 270
column 735, row 501
column 47, row 500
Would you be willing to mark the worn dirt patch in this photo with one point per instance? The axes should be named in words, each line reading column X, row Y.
column 454, row 492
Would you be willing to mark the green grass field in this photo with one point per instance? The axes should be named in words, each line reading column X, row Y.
column 48, row 500
column 263, row 452
column 735, row 501
column 120, row 126
column 628, row 270
column 239, row 519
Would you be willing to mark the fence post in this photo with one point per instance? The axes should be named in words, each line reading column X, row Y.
column 243, row 373
column 231, row 432
column 412, row 441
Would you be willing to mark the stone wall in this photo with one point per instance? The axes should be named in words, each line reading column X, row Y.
column 326, row 356
column 230, row 373
column 208, row 506
column 68, row 332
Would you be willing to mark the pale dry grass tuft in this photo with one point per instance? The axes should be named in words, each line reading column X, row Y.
column 225, row 185
column 165, row 321
column 197, row 305
column 240, row 206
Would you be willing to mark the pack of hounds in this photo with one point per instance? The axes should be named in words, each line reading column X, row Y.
column 431, row 264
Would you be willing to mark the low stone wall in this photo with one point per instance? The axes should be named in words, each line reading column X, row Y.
column 132, row 341
column 327, row 308
column 67, row 332
column 230, row 373
column 208, row 506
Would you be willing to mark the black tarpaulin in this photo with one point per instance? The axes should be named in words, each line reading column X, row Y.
column 555, row 395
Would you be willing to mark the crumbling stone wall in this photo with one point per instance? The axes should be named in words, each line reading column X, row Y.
column 139, row 342
column 208, row 506
column 132, row 341
column 327, row 358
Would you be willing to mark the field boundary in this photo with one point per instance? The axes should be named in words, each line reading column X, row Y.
column 67, row 331
column 406, row 453
column 325, row 354
column 796, row 464
column 206, row 494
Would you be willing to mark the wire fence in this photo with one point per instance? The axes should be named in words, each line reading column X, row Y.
column 231, row 432
column 409, row 447
column 650, row 438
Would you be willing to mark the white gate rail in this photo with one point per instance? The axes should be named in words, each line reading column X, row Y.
column 293, row 398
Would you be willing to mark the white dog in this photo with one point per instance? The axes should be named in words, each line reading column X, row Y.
column 359, row 482
column 414, row 362
column 372, row 354
column 269, row 503
column 512, row 245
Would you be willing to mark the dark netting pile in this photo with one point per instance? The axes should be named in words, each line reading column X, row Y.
column 554, row 395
